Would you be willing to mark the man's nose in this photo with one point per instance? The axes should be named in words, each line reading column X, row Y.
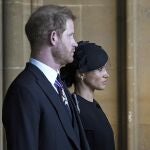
column 75, row 44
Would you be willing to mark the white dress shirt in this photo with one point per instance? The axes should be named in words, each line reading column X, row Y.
column 49, row 72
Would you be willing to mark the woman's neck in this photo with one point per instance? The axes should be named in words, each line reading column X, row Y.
column 84, row 92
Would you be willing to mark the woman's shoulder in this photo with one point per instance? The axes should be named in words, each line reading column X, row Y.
column 97, row 104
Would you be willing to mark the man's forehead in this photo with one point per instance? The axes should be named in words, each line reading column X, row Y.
column 70, row 25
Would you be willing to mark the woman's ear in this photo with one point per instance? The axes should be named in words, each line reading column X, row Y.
column 82, row 76
column 53, row 38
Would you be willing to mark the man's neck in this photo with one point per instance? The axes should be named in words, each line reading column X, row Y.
column 46, row 57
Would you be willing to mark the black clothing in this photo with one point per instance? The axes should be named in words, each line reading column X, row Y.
column 35, row 117
column 89, row 57
column 96, row 125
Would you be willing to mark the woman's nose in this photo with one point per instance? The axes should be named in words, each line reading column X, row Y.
column 106, row 74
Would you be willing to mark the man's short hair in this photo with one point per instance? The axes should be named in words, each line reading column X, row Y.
column 45, row 20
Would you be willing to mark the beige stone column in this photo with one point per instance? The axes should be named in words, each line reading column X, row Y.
column 14, row 52
column 1, row 77
column 16, row 46
column 132, row 94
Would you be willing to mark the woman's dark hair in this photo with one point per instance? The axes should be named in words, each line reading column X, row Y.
column 87, row 57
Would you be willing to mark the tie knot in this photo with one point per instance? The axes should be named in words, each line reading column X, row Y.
column 58, row 82
column 59, row 78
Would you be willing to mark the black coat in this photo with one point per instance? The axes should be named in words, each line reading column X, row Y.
column 34, row 117
column 96, row 125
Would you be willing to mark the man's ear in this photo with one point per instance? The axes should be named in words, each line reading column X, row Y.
column 53, row 38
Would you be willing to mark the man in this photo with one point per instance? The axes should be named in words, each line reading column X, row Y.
column 35, row 116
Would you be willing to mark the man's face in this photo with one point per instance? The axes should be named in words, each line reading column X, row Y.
column 66, row 44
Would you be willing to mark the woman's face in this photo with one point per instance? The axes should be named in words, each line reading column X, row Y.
column 96, row 79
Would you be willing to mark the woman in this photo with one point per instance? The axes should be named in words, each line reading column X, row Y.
column 88, row 73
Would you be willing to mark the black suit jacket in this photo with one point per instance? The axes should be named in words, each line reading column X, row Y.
column 34, row 117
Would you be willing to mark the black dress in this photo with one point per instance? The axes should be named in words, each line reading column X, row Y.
column 96, row 125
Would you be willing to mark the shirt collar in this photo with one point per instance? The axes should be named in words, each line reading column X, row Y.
column 49, row 72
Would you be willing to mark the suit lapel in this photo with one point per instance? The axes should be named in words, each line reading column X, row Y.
column 55, row 100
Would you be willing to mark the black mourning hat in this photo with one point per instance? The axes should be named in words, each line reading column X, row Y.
column 89, row 56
